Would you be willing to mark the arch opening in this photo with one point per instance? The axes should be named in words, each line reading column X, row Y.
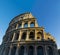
column 21, row 50
column 31, row 35
column 7, row 51
column 19, row 25
column 10, row 38
column 16, row 36
column 50, row 50
column 13, row 51
column 25, row 25
column 32, row 24
column 31, row 50
column 23, row 35
column 39, row 35
column 40, row 50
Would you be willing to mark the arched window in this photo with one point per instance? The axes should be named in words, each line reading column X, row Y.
column 39, row 35
column 31, row 35
column 32, row 24
column 10, row 27
column 31, row 50
column 19, row 25
column 7, row 51
column 21, row 50
column 23, row 36
column 40, row 50
column 49, row 39
column 26, row 25
column 14, row 26
column 50, row 50
column 6, row 38
column 2, row 53
column 16, row 36
column 13, row 51
column 10, row 38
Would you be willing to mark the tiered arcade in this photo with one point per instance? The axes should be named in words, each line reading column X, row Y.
column 25, row 37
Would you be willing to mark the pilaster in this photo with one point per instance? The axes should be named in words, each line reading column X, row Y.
column 2, row 51
column 10, row 50
column 17, row 50
column 36, row 25
column 13, row 37
column 28, row 24
column 22, row 24
column 25, row 51
column 35, row 50
column 45, row 50
column 35, row 35
column 16, row 26
column 27, row 38
column 20, row 35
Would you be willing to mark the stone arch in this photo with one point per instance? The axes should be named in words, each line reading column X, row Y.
column 11, row 37
column 13, row 51
column 23, row 35
column 21, row 50
column 31, row 35
column 40, row 50
column 50, row 39
column 19, row 25
column 2, row 50
column 39, row 35
column 16, row 36
column 49, row 50
column 32, row 24
column 26, row 25
column 31, row 50
column 14, row 26
column 5, row 38
column 10, row 27
column 7, row 50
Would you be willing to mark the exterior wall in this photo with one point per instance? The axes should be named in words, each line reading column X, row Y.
column 59, row 51
column 32, row 36
column 27, row 44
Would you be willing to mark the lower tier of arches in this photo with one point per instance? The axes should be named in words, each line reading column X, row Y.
column 30, row 50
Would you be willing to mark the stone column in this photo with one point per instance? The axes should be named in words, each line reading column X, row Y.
column 36, row 25
column 4, row 51
column 35, row 50
column 17, row 53
column 28, row 24
column 16, row 26
column 25, row 51
column 55, row 51
column 35, row 35
column 10, row 50
column 9, row 37
column 45, row 50
column 43, row 34
column 22, row 24
column 13, row 37
column 27, row 38
column 20, row 35
column 1, row 53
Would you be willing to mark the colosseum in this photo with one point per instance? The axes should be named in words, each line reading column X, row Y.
column 25, row 37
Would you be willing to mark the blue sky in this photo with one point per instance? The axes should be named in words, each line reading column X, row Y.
column 47, row 13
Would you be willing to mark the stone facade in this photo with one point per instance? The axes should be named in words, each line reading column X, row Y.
column 59, row 51
column 25, row 37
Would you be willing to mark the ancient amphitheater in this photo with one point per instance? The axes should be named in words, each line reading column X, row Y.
column 25, row 37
